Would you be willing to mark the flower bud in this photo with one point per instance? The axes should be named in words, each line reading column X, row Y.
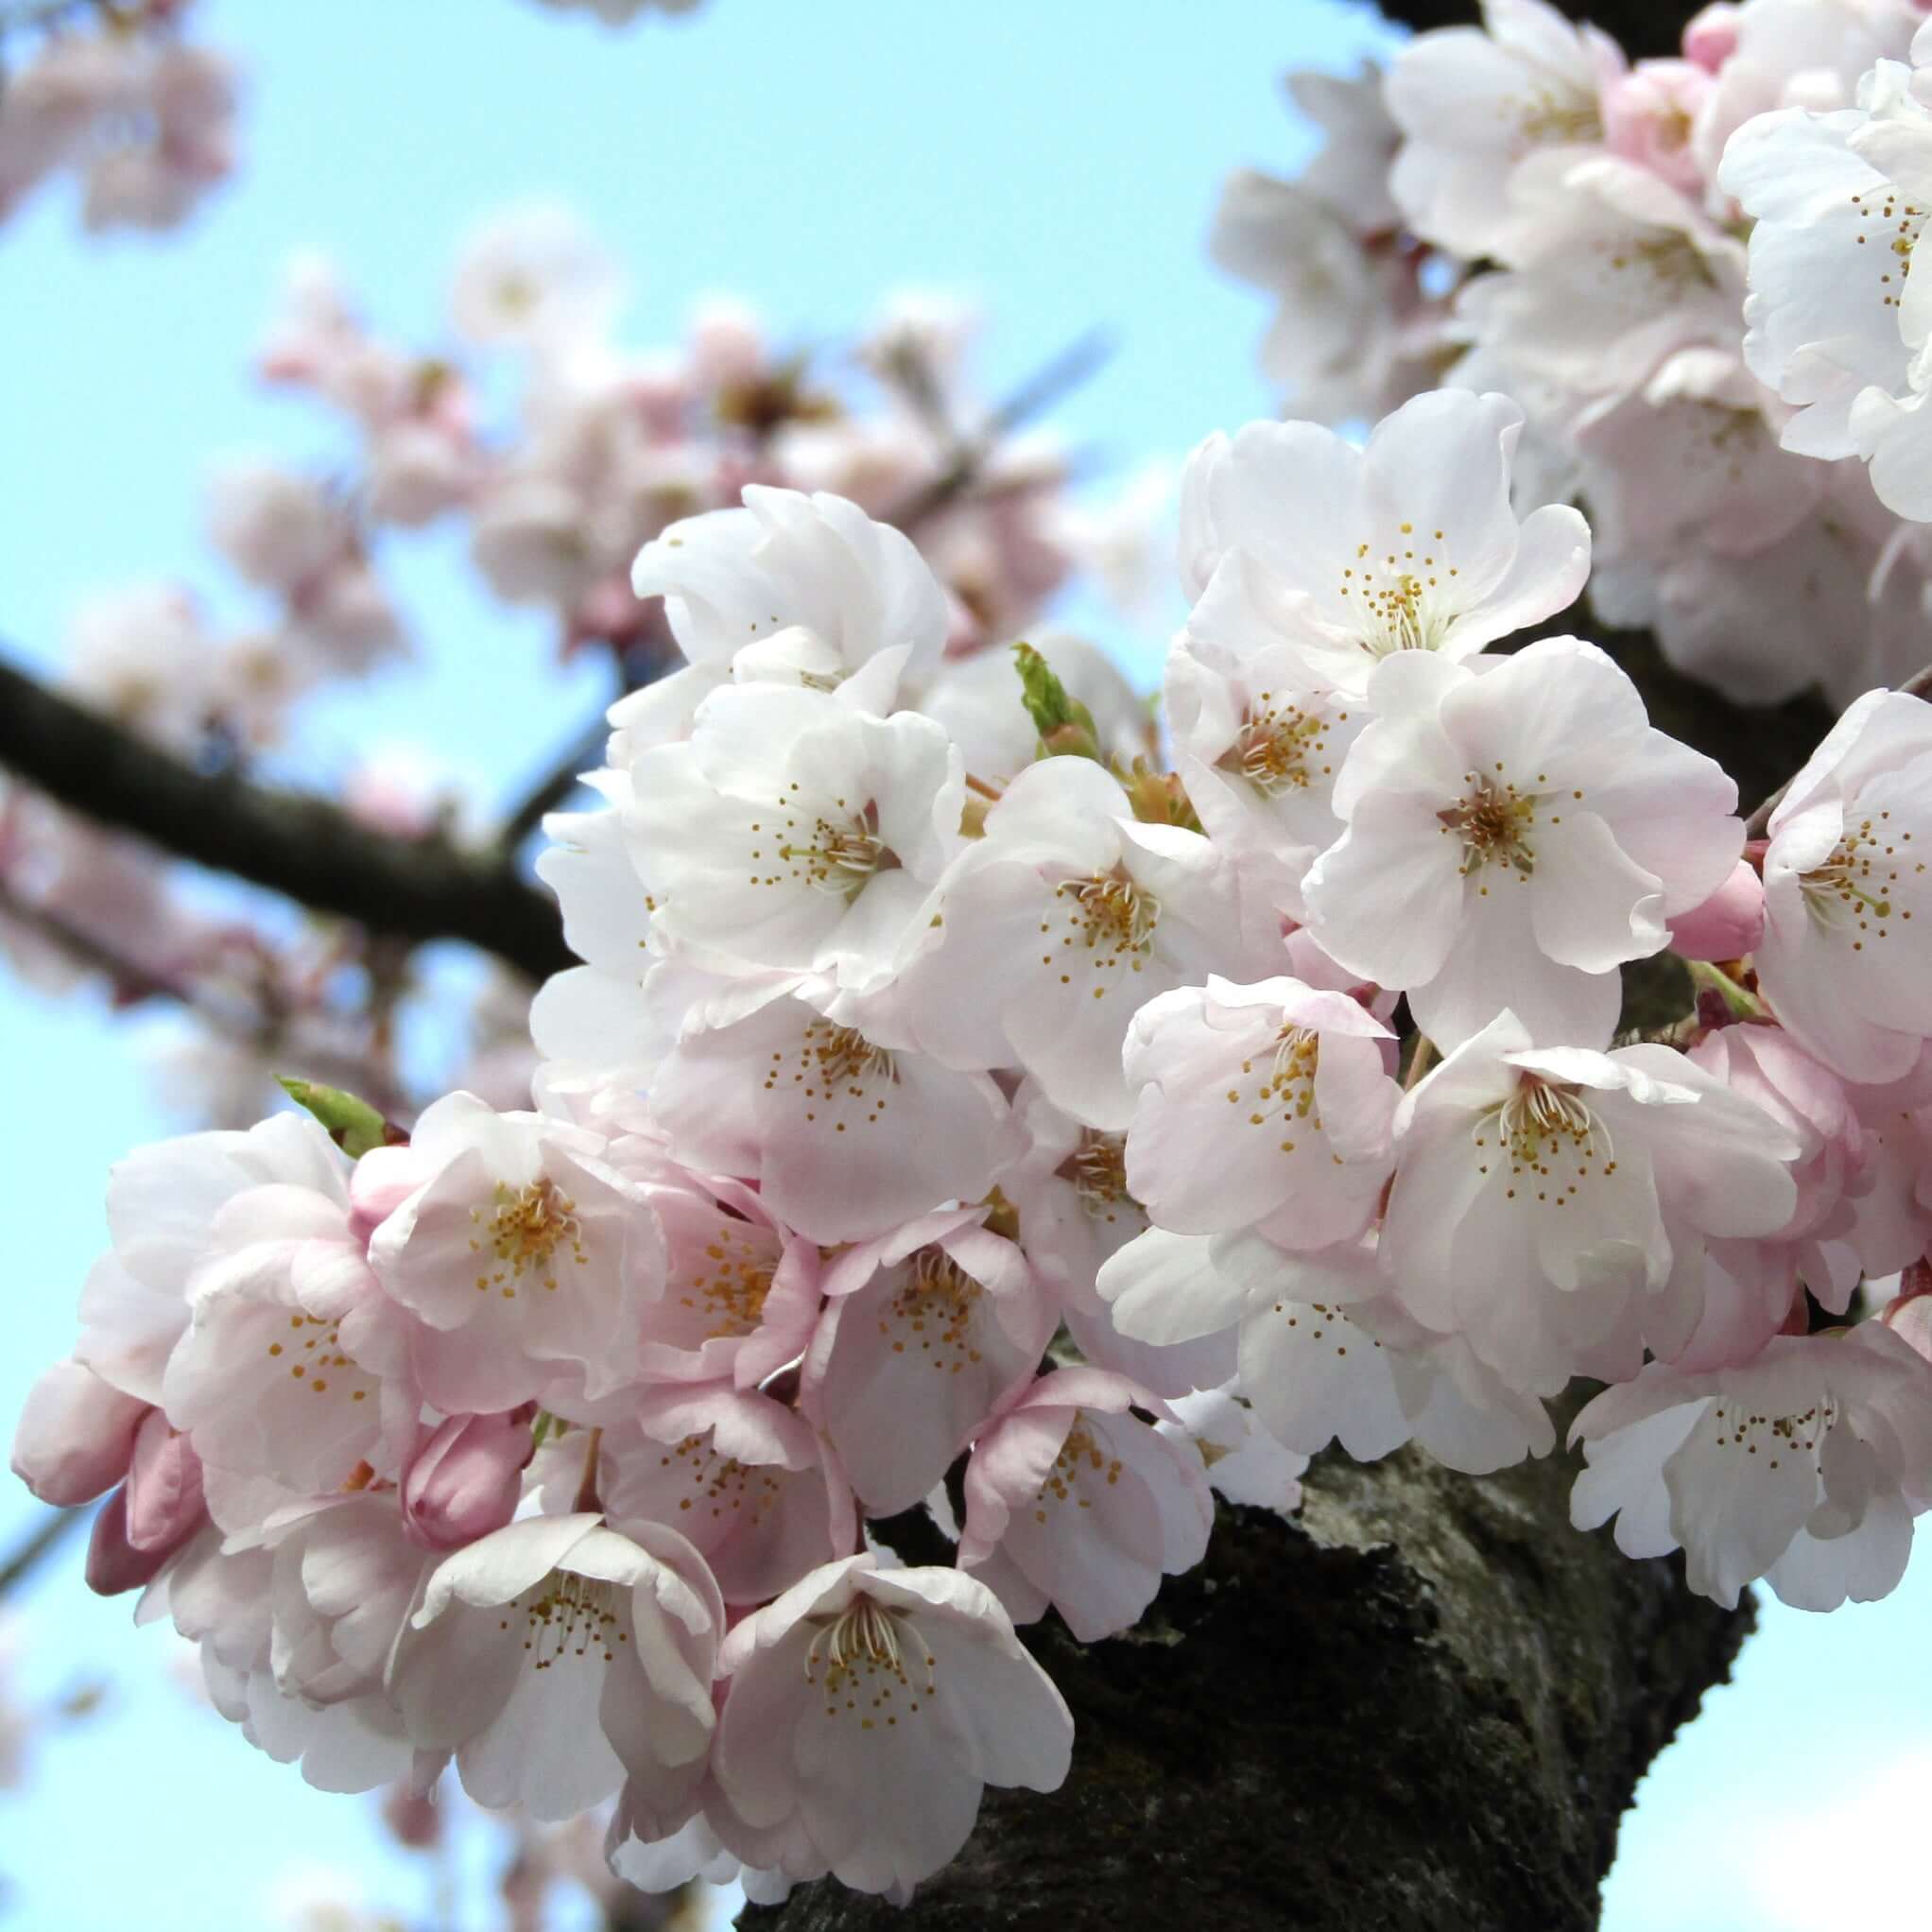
column 465, row 1478
column 161, row 1497
column 76, row 1435
column 1728, row 925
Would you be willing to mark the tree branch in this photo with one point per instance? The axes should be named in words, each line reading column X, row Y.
column 1423, row 1704
column 1041, row 391
column 303, row 847
column 40, row 1541
column 1641, row 27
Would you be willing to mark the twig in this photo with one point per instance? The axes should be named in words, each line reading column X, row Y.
column 39, row 1542
column 301, row 846
column 586, row 751
column 1039, row 392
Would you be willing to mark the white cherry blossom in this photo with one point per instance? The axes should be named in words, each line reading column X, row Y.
column 560, row 1655
column 1407, row 544
column 1517, row 830
column 1473, row 102
column 1265, row 1106
column 1066, row 918
column 1804, row 1466
column 1843, row 960
column 1551, row 1205
column 794, row 833
column 801, row 589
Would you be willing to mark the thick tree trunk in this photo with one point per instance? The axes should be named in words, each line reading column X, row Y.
column 1422, row 1706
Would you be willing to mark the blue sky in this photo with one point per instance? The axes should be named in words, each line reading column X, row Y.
column 1056, row 164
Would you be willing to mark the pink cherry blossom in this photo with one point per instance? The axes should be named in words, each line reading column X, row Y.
column 870, row 1708
column 1076, row 1213
column 745, row 1478
column 845, row 1134
column 464, row 1477
column 558, row 1655
column 523, row 1257
column 929, row 1332
column 1072, row 1501
column 74, row 1436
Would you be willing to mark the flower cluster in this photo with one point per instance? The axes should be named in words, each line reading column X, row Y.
column 974, row 1118
column 114, row 95
column 603, row 449
column 1691, row 274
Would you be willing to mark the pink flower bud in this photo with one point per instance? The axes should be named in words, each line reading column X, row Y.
column 76, row 1435
column 465, row 1478
column 414, row 1818
column 1710, row 36
column 113, row 1564
column 1728, row 925
column 161, row 1498
column 1647, row 117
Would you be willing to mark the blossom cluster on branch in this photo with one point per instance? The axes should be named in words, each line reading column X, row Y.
column 978, row 1130
column 602, row 447
column 1693, row 274
column 114, row 94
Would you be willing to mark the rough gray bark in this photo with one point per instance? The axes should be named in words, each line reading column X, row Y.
column 1420, row 1707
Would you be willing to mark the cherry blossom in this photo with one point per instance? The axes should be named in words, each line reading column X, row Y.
column 1373, row 550
column 796, row 834
column 929, row 1332
column 1265, row 1106
column 1841, row 959
column 1067, row 915
column 807, row 589
column 1804, row 1466
column 560, row 1655
column 886, row 1794
column 742, row 1475
column 521, row 1254
column 1474, row 101
column 1072, row 1501
column 1534, row 831
column 1551, row 1205
column 847, row 1135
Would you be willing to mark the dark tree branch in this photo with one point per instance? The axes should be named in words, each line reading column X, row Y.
column 1054, row 379
column 303, row 847
column 556, row 785
column 1422, row 1706
column 40, row 1541
column 1641, row 27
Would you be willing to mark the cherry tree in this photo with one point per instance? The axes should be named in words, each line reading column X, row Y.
column 1018, row 1307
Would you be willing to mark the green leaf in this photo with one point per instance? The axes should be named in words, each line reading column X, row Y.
column 353, row 1125
column 1064, row 724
